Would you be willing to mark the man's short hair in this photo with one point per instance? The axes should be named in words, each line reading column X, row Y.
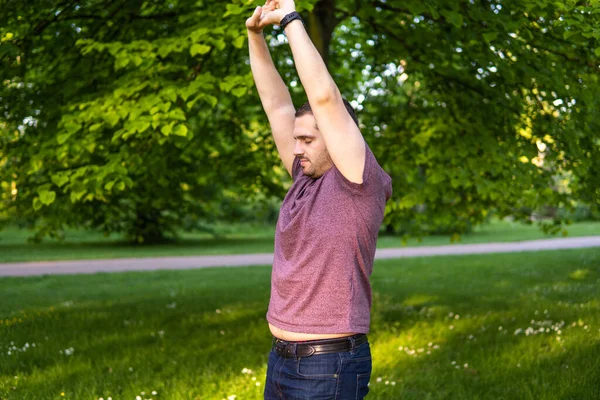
column 306, row 109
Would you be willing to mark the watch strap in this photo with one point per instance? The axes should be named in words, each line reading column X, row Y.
column 289, row 18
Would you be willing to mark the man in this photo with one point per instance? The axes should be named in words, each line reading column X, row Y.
column 319, row 311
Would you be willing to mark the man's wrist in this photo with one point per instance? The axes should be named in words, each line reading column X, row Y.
column 290, row 18
column 293, row 22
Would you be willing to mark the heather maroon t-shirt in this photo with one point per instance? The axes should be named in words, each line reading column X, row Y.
column 324, row 249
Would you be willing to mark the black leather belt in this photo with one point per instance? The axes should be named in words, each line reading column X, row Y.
column 302, row 349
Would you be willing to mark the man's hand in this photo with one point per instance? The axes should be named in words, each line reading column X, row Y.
column 263, row 16
column 270, row 14
column 287, row 6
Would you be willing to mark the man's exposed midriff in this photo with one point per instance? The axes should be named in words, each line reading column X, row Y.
column 296, row 336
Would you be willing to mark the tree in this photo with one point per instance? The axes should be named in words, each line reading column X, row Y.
column 136, row 119
column 480, row 105
column 142, row 118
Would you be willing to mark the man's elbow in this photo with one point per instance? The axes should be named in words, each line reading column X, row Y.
column 326, row 95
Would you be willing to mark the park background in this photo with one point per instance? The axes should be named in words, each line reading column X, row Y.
column 133, row 129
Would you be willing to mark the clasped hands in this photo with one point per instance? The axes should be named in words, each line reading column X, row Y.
column 270, row 14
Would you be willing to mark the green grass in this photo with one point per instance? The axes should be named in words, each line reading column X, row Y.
column 442, row 328
column 234, row 239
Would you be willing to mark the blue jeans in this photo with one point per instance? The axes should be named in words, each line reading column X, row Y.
column 339, row 376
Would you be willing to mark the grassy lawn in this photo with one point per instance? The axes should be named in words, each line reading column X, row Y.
column 234, row 240
column 500, row 326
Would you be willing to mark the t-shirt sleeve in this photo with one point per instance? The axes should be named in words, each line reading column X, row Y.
column 375, row 179
column 296, row 168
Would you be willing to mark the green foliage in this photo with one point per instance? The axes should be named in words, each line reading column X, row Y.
column 134, row 117
column 140, row 122
column 476, row 106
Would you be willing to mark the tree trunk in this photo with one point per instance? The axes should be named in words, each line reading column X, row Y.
column 321, row 23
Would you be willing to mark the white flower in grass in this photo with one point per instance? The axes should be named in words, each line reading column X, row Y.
column 67, row 352
column 379, row 379
column 154, row 393
column 451, row 327
column 387, row 382
column 529, row 331
column 138, row 398
column 218, row 311
column 232, row 397
column 109, row 398
column 393, row 383
column 257, row 383
column 130, row 369
column 466, row 365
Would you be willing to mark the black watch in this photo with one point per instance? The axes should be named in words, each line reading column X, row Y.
column 289, row 18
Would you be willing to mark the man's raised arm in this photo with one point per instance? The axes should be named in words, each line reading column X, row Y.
column 344, row 141
column 273, row 92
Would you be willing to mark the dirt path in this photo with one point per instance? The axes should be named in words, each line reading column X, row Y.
column 188, row 262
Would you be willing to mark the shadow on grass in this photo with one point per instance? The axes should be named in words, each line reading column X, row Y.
column 123, row 249
column 478, row 314
column 164, row 326
column 213, row 327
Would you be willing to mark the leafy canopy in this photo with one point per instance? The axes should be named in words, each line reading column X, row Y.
column 142, row 117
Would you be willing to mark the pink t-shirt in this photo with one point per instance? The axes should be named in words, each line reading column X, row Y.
column 324, row 249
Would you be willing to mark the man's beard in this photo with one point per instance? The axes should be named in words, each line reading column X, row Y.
column 316, row 169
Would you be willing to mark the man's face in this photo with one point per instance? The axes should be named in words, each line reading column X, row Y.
column 310, row 147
